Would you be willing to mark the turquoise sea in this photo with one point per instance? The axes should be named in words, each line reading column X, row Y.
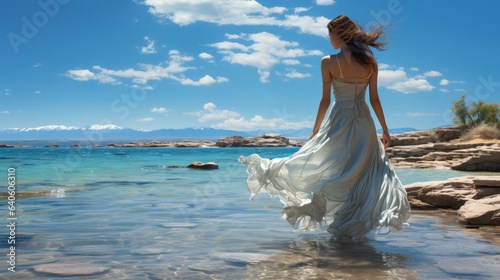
column 122, row 209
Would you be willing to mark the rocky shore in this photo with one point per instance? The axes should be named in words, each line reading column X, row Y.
column 266, row 140
column 476, row 198
column 437, row 149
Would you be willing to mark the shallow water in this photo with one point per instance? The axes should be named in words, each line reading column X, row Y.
column 122, row 208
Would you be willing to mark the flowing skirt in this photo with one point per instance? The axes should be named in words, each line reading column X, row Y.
column 341, row 180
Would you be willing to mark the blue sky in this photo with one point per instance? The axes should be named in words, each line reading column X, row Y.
column 232, row 64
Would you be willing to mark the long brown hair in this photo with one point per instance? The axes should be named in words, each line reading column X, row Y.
column 357, row 40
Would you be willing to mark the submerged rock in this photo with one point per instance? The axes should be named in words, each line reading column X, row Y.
column 52, row 146
column 201, row 165
column 67, row 269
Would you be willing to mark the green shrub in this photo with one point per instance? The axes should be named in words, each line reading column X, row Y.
column 478, row 113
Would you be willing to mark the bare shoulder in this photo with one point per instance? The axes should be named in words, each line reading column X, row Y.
column 326, row 60
column 374, row 65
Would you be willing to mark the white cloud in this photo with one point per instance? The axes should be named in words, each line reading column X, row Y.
column 37, row 92
column 207, row 56
column 301, row 9
column 207, row 80
column 264, row 75
column 398, row 80
column 444, row 82
column 417, row 114
column 443, row 90
column 295, row 74
column 432, row 74
column 382, row 66
column 145, row 120
column 150, row 48
column 210, row 112
column 160, row 110
column 37, row 65
column 266, row 51
column 460, row 90
column 235, row 36
column 258, row 122
column 414, row 69
column 4, row 112
column 325, row 2
column 236, row 12
column 290, row 61
column 146, row 72
column 81, row 75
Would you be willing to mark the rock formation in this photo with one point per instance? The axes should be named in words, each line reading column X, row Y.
column 266, row 140
column 477, row 198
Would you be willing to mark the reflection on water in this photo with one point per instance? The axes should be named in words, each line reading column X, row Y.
column 139, row 220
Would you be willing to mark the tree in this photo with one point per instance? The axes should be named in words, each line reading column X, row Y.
column 478, row 113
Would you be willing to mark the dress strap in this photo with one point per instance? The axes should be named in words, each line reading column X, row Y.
column 341, row 76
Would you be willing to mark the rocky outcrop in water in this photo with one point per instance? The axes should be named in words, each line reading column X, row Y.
column 477, row 198
column 15, row 146
column 201, row 165
column 457, row 156
column 266, row 140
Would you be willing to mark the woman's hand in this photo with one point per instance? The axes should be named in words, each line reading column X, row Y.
column 386, row 139
column 312, row 134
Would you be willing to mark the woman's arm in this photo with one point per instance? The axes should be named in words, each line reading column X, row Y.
column 325, row 97
column 377, row 106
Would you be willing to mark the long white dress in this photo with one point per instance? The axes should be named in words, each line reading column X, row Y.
column 341, row 180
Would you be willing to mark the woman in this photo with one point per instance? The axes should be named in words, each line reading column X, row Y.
column 341, row 179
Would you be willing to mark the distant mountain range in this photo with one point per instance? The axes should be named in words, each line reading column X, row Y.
column 117, row 132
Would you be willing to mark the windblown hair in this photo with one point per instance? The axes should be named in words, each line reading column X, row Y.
column 357, row 40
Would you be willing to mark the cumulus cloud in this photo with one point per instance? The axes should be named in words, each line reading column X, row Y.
column 37, row 92
column 210, row 112
column 171, row 69
column 234, row 121
column 325, row 2
column 206, row 56
column 265, row 51
column 294, row 74
column 414, row 69
column 161, row 110
column 398, row 80
column 290, row 61
column 432, row 74
column 150, row 48
column 258, row 122
column 236, row 12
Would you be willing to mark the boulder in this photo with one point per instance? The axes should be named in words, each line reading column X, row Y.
column 52, row 146
column 74, row 146
column 201, row 165
column 477, row 198
column 485, row 211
